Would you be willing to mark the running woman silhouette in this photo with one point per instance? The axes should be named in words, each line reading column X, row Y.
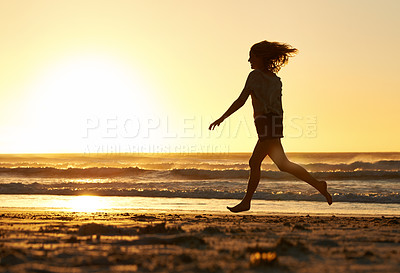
column 265, row 89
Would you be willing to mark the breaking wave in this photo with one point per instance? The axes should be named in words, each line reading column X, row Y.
column 366, row 182
column 386, row 169
column 124, row 189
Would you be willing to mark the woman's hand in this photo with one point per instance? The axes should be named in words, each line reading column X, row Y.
column 216, row 123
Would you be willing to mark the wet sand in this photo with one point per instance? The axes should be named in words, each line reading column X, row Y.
column 33, row 241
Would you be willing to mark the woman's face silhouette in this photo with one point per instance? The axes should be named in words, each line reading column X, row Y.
column 256, row 62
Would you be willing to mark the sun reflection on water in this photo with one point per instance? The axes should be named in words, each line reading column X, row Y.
column 87, row 203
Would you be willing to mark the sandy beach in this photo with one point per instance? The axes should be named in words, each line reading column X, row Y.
column 34, row 241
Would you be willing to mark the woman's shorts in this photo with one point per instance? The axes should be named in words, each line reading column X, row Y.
column 269, row 126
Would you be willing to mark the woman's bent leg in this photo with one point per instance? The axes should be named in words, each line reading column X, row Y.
column 259, row 153
column 277, row 154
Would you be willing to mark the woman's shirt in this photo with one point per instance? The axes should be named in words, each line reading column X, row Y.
column 265, row 91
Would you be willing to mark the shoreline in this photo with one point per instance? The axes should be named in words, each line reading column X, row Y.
column 59, row 241
column 88, row 203
column 191, row 212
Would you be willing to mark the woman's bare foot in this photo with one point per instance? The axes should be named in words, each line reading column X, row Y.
column 323, row 189
column 242, row 206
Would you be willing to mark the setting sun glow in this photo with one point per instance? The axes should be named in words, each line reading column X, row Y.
column 171, row 67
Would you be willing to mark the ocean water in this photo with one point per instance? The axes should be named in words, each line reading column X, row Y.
column 360, row 183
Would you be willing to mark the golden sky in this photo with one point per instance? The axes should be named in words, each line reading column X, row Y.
column 149, row 76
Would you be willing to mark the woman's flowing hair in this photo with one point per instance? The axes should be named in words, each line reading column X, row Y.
column 274, row 54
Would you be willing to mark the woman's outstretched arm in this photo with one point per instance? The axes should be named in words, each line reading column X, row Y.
column 236, row 105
